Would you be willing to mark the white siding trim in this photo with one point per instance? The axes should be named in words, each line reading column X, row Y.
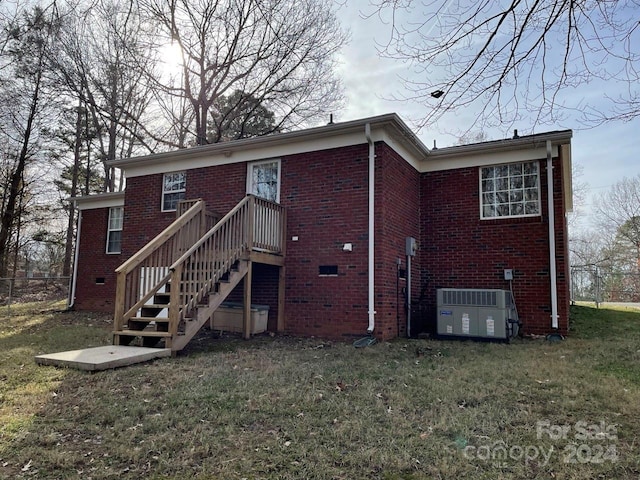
column 485, row 159
column 105, row 200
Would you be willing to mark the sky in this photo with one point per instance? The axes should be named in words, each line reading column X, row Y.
column 604, row 155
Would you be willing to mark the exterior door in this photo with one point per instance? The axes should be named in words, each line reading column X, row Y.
column 263, row 181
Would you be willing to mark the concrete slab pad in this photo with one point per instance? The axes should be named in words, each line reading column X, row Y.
column 102, row 358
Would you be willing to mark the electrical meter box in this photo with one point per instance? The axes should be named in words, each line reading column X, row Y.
column 475, row 313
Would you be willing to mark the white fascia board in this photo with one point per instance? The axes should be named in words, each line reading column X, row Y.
column 530, row 147
column 409, row 151
column 102, row 200
column 435, row 164
column 247, row 154
column 567, row 176
column 389, row 128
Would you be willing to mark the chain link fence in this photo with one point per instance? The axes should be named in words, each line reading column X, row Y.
column 599, row 285
column 33, row 289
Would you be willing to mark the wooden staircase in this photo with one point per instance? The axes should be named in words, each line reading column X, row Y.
column 170, row 288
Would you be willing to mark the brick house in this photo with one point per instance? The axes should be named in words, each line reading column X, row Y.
column 331, row 260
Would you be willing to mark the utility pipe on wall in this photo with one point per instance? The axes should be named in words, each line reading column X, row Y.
column 372, row 164
column 552, row 239
column 72, row 291
column 408, row 295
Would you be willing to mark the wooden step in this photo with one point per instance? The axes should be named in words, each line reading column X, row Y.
column 142, row 333
column 162, row 296
column 149, row 319
column 159, row 306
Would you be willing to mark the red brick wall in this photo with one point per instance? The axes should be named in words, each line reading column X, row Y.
column 397, row 217
column 563, row 265
column 326, row 198
column 94, row 263
column 221, row 187
column 326, row 195
column 461, row 251
column 143, row 218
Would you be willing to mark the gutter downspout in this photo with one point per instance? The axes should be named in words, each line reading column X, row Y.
column 372, row 157
column 72, row 291
column 552, row 240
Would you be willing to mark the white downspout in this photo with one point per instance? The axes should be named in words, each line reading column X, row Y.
column 372, row 161
column 552, row 240
column 72, row 291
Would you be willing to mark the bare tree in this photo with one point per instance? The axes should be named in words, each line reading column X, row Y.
column 23, row 102
column 279, row 52
column 516, row 57
column 618, row 211
column 101, row 62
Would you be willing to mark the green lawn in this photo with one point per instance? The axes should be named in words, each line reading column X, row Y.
column 291, row 408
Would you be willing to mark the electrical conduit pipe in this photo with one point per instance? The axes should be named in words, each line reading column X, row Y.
column 552, row 240
column 71, row 301
column 372, row 159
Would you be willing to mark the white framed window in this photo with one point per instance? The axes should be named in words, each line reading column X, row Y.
column 263, row 179
column 114, row 230
column 174, row 186
column 510, row 190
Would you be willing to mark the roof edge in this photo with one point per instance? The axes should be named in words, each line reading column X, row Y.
column 99, row 200
column 558, row 137
column 338, row 128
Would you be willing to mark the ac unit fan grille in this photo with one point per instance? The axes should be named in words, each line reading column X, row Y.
column 478, row 298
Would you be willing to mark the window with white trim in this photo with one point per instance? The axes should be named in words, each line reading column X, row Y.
column 263, row 179
column 511, row 190
column 114, row 230
column 174, row 186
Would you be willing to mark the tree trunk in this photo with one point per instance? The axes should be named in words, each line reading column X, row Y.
column 8, row 217
column 68, row 247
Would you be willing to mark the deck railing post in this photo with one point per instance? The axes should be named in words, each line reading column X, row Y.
column 203, row 221
column 283, row 231
column 121, row 287
column 250, row 222
column 174, row 300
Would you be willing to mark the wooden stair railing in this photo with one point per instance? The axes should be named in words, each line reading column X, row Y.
column 147, row 271
column 196, row 282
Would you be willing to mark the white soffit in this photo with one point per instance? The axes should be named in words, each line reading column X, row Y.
column 249, row 154
column 104, row 200
column 567, row 176
column 409, row 151
column 388, row 128
column 435, row 164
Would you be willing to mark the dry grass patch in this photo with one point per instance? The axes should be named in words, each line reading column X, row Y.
column 304, row 408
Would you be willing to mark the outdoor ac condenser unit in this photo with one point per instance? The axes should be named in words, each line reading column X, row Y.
column 476, row 313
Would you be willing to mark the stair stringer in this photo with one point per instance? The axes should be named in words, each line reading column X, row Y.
column 204, row 312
